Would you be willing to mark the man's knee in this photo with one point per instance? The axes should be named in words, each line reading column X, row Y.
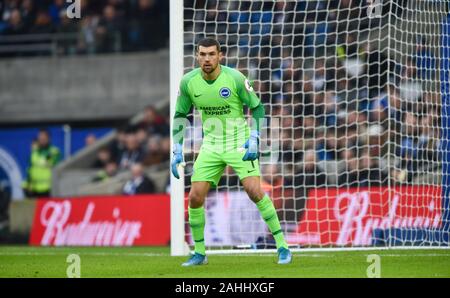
column 255, row 192
column 196, row 199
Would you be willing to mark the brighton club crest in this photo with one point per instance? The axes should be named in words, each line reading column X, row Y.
column 225, row 92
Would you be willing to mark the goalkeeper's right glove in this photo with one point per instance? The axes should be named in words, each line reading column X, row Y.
column 177, row 158
column 252, row 146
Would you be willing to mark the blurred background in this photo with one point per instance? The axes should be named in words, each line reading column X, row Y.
column 83, row 102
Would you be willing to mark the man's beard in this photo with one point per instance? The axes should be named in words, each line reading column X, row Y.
column 210, row 71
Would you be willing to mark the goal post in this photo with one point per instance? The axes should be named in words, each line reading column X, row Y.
column 356, row 147
column 445, row 90
column 177, row 229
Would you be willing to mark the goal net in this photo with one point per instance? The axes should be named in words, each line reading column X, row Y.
column 354, row 150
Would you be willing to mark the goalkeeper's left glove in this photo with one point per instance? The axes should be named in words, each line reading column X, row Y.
column 252, row 145
column 177, row 159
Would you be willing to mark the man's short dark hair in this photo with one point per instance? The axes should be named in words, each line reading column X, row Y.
column 209, row 42
column 45, row 131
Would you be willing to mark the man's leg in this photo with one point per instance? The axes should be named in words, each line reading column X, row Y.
column 196, row 211
column 208, row 168
column 252, row 186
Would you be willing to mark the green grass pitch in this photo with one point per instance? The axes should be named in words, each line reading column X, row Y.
column 156, row 262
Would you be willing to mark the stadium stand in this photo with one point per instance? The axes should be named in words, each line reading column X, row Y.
column 32, row 28
column 321, row 69
column 341, row 89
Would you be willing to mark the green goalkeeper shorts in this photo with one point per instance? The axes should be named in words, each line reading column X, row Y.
column 209, row 166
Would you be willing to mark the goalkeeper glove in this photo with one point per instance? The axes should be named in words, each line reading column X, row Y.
column 177, row 159
column 252, row 145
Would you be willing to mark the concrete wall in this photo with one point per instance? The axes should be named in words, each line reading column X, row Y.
column 21, row 215
column 81, row 87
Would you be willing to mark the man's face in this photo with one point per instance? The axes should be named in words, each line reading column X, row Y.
column 131, row 141
column 43, row 139
column 208, row 58
column 136, row 170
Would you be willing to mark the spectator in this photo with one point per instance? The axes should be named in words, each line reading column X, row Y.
column 272, row 176
column 109, row 170
column 349, row 175
column 109, row 30
column 410, row 131
column 378, row 111
column 376, row 69
column 28, row 13
column 87, row 36
column 90, row 140
column 103, row 158
column 309, row 174
column 350, row 55
column 376, row 140
column 6, row 9
column 68, row 28
column 320, row 77
column 387, row 102
column 418, row 147
column 133, row 152
column 42, row 24
column 428, row 141
column 363, row 172
column 370, row 173
column 425, row 60
column 15, row 24
column 157, row 150
column 56, row 10
column 147, row 15
column 153, row 123
column 44, row 156
column 142, row 136
column 117, row 146
column 328, row 147
column 410, row 86
column 139, row 183
column 351, row 135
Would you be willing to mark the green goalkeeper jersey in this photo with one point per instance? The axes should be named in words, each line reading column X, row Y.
column 221, row 104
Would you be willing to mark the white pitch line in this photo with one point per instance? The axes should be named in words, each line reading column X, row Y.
column 12, row 253
column 324, row 255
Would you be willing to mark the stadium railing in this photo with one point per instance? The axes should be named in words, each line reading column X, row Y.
column 46, row 43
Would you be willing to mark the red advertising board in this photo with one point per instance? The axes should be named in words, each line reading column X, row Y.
column 349, row 216
column 102, row 221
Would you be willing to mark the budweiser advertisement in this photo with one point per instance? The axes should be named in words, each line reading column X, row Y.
column 349, row 216
column 102, row 221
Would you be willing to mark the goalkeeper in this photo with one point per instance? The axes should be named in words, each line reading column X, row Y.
column 220, row 93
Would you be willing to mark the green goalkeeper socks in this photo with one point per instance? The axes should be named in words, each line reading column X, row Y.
column 269, row 214
column 197, row 223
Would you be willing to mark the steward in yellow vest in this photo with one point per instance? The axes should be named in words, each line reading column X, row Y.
column 44, row 157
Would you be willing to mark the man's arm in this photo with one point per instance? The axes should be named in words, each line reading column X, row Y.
column 183, row 107
column 250, row 99
column 179, row 126
column 258, row 114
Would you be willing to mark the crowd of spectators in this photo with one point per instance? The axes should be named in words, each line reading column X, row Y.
column 340, row 100
column 135, row 148
column 104, row 25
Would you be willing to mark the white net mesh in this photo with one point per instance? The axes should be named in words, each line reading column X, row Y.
column 353, row 96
